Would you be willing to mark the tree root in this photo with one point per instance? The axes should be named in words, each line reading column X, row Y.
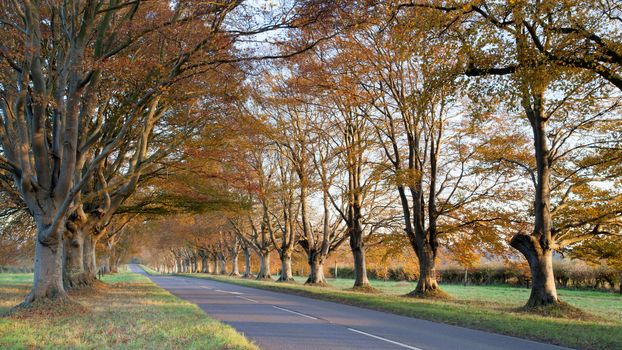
column 365, row 289
column 560, row 310
column 322, row 284
column 435, row 293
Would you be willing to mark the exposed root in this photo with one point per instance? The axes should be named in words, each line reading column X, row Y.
column 436, row 293
column 83, row 280
column 560, row 310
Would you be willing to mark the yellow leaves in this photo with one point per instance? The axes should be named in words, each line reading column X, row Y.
column 408, row 177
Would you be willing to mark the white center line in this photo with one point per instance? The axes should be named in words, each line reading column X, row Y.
column 254, row 301
column 384, row 339
column 205, row 287
column 294, row 312
column 224, row 291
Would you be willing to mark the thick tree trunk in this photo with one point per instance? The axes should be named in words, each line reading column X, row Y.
column 264, row 267
column 235, row 266
column 358, row 252
column 90, row 258
column 543, row 290
column 74, row 275
column 204, row 264
column 316, row 272
column 286, row 267
column 537, row 247
column 215, row 265
column 247, row 264
column 427, row 284
column 48, row 268
column 105, row 264
column 223, row 265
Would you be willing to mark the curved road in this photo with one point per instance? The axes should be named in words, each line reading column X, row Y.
column 276, row 321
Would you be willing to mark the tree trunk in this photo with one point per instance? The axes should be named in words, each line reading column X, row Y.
column 90, row 258
column 204, row 264
column 215, row 265
column 427, row 284
column 179, row 265
column 247, row 264
column 264, row 266
column 537, row 247
column 48, row 268
column 286, row 267
column 235, row 267
column 223, row 264
column 543, row 291
column 74, row 275
column 358, row 252
column 316, row 272
column 105, row 264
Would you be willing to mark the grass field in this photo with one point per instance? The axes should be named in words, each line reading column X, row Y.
column 603, row 304
column 492, row 308
column 128, row 312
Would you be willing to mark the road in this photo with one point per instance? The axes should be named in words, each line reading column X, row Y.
column 278, row 321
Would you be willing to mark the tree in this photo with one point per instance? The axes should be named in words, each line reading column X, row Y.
column 55, row 61
column 536, row 85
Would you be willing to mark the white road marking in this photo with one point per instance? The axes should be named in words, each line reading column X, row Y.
column 384, row 339
column 294, row 312
column 206, row 287
column 254, row 301
column 224, row 291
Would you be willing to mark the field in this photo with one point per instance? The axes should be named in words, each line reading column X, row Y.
column 128, row 312
column 492, row 308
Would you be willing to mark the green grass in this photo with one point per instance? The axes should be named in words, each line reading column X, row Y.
column 489, row 308
column 603, row 304
column 129, row 312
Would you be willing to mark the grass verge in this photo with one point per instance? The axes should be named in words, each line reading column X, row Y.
column 127, row 312
column 504, row 318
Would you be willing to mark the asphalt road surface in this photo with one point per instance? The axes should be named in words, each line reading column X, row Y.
column 276, row 321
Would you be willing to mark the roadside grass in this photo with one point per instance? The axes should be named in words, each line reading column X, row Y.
column 493, row 309
column 127, row 312
column 149, row 270
column 602, row 304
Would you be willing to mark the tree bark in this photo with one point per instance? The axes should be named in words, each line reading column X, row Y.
column 215, row 265
column 427, row 283
column 264, row 266
column 204, row 264
column 223, row 265
column 48, row 267
column 235, row 267
column 537, row 248
column 543, row 290
column 358, row 252
column 247, row 263
column 316, row 271
column 286, row 267
column 90, row 257
column 73, row 269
